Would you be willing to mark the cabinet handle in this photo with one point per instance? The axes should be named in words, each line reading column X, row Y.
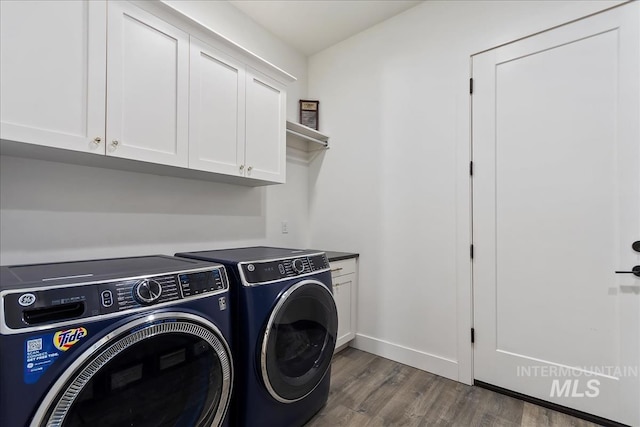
column 336, row 269
column 249, row 170
column 335, row 285
column 115, row 143
column 97, row 140
column 241, row 168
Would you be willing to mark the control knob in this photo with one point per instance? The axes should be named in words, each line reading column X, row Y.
column 298, row 265
column 147, row 291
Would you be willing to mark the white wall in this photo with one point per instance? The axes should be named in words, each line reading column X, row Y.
column 53, row 211
column 394, row 186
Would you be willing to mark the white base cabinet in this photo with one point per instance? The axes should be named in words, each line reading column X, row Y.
column 344, row 276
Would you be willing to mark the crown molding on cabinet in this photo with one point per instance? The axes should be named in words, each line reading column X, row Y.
column 199, row 29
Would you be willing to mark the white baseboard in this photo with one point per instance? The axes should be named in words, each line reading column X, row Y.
column 427, row 362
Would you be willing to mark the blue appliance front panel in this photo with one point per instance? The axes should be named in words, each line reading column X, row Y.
column 257, row 303
column 19, row 400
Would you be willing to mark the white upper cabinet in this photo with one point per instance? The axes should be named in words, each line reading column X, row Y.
column 265, row 152
column 52, row 73
column 138, row 81
column 147, row 87
column 237, row 118
column 217, row 111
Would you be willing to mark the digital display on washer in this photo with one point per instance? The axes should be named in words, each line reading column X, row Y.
column 264, row 271
column 318, row 262
column 198, row 283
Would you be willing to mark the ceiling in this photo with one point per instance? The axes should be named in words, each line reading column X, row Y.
column 310, row 26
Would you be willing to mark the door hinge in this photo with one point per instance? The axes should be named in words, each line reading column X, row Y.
column 471, row 168
column 471, row 86
column 471, row 251
column 473, row 335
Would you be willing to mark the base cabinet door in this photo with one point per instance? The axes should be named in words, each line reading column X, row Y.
column 52, row 73
column 147, row 87
column 342, row 293
column 344, row 278
column 265, row 149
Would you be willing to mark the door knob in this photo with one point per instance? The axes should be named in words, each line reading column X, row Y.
column 636, row 246
column 635, row 271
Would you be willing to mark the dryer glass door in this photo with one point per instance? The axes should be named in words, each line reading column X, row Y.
column 172, row 372
column 299, row 340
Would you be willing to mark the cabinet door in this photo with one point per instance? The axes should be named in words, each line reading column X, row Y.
column 216, row 113
column 147, row 87
column 342, row 292
column 265, row 153
column 52, row 73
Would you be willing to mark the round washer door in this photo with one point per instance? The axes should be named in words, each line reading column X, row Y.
column 172, row 369
column 299, row 340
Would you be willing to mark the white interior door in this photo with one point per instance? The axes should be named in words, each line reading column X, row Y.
column 556, row 150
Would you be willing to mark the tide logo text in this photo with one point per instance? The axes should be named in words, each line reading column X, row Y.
column 63, row 340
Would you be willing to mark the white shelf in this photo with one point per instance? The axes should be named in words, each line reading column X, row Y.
column 304, row 143
column 302, row 132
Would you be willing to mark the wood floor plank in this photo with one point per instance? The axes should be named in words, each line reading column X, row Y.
column 534, row 416
column 385, row 390
column 408, row 404
column 370, row 391
column 356, row 391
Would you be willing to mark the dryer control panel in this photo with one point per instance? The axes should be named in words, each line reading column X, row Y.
column 273, row 270
column 43, row 306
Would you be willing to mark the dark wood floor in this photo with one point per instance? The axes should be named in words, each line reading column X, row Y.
column 368, row 390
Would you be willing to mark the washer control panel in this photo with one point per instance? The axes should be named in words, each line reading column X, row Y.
column 36, row 307
column 118, row 296
column 273, row 270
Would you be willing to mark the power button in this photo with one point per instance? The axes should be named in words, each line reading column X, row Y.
column 107, row 298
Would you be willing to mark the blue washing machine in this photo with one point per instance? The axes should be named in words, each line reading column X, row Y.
column 285, row 333
column 118, row 342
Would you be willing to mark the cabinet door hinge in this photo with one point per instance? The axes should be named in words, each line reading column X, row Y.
column 471, row 168
column 473, row 335
column 471, row 251
column 471, row 86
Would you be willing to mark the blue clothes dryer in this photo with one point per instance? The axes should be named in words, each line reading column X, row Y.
column 285, row 332
column 118, row 342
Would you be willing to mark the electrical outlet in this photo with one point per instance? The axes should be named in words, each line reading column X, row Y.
column 285, row 227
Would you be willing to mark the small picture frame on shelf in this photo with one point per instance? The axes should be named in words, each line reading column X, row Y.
column 309, row 113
